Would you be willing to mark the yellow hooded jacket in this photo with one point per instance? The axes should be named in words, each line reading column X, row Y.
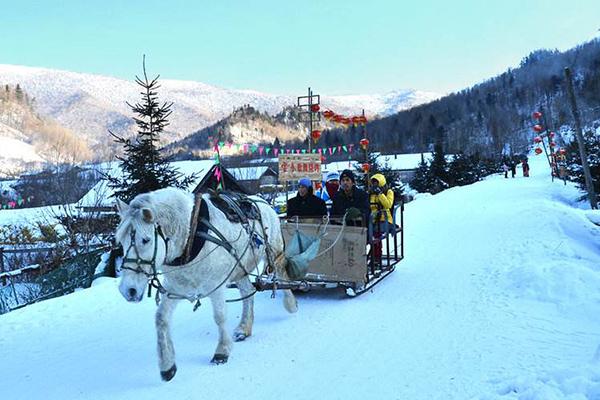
column 382, row 201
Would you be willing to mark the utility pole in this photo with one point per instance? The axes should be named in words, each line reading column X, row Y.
column 310, row 107
column 589, row 183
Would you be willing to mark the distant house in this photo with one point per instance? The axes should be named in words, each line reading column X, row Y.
column 252, row 178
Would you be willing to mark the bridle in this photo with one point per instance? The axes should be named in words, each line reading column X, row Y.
column 140, row 261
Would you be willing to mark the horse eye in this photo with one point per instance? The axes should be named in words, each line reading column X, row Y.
column 145, row 240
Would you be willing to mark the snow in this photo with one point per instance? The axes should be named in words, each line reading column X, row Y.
column 396, row 162
column 92, row 104
column 247, row 173
column 497, row 298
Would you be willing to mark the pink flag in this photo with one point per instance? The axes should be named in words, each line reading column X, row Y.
column 297, row 151
column 330, row 150
column 260, row 150
column 218, row 174
column 339, row 149
column 319, row 150
column 276, row 151
column 245, row 148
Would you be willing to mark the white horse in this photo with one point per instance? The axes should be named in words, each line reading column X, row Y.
column 154, row 231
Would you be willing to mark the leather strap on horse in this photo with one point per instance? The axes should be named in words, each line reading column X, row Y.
column 193, row 225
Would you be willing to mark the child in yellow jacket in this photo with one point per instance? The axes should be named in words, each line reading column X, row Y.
column 382, row 201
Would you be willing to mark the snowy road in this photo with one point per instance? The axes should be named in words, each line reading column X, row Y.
column 496, row 299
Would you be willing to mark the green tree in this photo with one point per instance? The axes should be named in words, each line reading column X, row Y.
column 574, row 165
column 143, row 167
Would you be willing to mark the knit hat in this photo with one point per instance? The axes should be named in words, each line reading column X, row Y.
column 332, row 176
column 348, row 174
column 305, row 182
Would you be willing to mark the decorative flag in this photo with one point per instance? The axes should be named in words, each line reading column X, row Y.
column 276, row 151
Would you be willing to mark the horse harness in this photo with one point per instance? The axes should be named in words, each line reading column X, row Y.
column 237, row 208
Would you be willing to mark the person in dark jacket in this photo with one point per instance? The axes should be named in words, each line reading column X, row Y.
column 350, row 197
column 306, row 204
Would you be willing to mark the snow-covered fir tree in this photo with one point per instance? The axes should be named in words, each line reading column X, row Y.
column 143, row 167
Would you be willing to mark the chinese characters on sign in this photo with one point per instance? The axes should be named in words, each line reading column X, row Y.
column 295, row 166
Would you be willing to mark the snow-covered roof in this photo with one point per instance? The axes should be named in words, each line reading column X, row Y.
column 247, row 173
column 100, row 194
column 394, row 161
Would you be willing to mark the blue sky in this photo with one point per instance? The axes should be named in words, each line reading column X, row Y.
column 335, row 46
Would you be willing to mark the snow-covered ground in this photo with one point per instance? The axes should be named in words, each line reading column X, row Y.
column 497, row 298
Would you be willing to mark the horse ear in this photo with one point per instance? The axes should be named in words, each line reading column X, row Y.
column 147, row 214
column 122, row 207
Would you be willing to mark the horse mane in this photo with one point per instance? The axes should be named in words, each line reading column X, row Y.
column 171, row 209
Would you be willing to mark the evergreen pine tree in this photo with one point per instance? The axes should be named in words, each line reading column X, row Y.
column 463, row 170
column 143, row 167
column 438, row 168
column 422, row 181
column 19, row 93
column 575, row 169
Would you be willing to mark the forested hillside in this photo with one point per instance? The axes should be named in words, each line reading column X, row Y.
column 495, row 115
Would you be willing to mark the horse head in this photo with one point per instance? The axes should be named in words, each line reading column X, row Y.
column 144, row 246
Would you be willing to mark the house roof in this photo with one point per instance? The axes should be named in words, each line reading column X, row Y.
column 100, row 194
column 248, row 173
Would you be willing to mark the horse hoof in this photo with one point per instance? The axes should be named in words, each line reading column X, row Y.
column 239, row 336
column 169, row 374
column 219, row 359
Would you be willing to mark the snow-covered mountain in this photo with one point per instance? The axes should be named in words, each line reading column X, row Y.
column 15, row 151
column 92, row 104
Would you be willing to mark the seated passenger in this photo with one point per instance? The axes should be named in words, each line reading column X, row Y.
column 381, row 200
column 305, row 203
column 350, row 199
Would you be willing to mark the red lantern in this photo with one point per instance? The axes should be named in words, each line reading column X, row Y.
column 551, row 134
column 315, row 135
column 538, row 128
column 315, row 108
column 364, row 143
column 328, row 114
column 346, row 121
column 322, row 158
column 552, row 144
column 562, row 152
column 537, row 139
column 537, row 115
column 366, row 167
column 538, row 150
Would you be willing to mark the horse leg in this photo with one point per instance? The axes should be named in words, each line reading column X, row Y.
column 217, row 300
column 166, row 351
column 289, row 300
column 244, row 329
